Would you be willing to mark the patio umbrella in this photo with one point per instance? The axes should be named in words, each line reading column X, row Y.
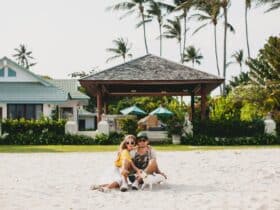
column 161, row 111
column 134, row 110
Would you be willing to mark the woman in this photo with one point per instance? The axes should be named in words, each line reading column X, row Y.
column 119, row 177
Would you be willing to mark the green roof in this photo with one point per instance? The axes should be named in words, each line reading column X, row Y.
column 31, row 93
column 70, row 86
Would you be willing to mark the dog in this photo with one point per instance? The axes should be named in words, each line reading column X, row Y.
column 150, row 179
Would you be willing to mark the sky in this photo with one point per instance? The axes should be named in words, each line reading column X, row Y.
column 66, row 36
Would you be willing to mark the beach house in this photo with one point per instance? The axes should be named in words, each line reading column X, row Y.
column 24, row 94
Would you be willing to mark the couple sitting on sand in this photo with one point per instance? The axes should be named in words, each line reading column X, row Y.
column 134, row 156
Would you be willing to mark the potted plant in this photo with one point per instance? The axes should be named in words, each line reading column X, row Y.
column 175, row 129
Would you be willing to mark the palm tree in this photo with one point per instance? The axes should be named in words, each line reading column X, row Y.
column 238, row 58
column 275, row 4
column 184, row 6
column 209, row 12
column 247, row 6
column 155, row 10
column 122, row 48
column 173, row 31
column 193, row 55
column 225, row 5
column 23, row 56
column 131, row 6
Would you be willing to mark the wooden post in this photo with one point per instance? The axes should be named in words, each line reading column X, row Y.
column 203, row 102
column 192, row 107
column 105, row 101
column 99, row 105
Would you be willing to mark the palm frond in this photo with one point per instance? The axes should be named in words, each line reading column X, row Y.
column 199, row 28
column 113, row 58
column 122, row 6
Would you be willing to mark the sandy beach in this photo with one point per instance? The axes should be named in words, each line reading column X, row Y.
column 212, row 180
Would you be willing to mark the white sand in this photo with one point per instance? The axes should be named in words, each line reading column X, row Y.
column 216, row 180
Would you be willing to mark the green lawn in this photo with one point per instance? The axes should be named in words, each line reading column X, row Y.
column 109, row 148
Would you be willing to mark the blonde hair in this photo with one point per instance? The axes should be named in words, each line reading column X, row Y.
column 123, row 143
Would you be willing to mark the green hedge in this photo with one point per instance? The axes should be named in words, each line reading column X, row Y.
column 35, row 127
column 53, row 139
column 202, row 140
column 229, row 128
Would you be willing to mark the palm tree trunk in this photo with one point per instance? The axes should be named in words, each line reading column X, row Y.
column 216, row 54
column 181, row 54
column 26, row 64
column 225, row 49
column 144, row 30
column 246, row 27
column 160, row 40
column 185, row 31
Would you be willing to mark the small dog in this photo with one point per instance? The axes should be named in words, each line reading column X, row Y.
column 150, row 179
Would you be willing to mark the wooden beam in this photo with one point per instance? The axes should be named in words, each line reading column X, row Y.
column 105, row 104
column 99, row 105
column 203, row 102
column 149, row 94
column 192, row 107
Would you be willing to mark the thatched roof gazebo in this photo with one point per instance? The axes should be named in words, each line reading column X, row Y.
column 150, row 75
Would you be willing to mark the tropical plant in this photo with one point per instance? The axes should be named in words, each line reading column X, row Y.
column 131, row 6
column 184, row 16
column 122, row 48
column 175, row 125
column 173, row 31
column 238, row 58
column 23, row 56
column 80, row 74
column 192, row 55
column 225, row 6
column 247, row 6
column 241, row 79
column 209, row 13
column 274, row 4
column 155, row 10
column 265, row 69
column 184, row 6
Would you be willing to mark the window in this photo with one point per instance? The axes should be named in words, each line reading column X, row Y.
column 11, row 73
column 2, row 72
column 66, row 113
column 27, row 111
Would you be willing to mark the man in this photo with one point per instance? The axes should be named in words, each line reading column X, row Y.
column 144, row 158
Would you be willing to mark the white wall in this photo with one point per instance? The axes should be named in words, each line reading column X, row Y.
column 4, row 110
column 47, row 109
column 21, row 75
column 71, row 104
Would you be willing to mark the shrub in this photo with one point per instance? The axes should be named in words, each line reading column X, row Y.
column 229, row 128
column 200, row 140
column 115, row 138
column 128, row 125
column 35, row 127
column 175, row 125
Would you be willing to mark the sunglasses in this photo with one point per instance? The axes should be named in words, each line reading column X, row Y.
column 142, row 140
column 130, row 142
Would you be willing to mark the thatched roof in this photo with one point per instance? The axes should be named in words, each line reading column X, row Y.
column 151, row 67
